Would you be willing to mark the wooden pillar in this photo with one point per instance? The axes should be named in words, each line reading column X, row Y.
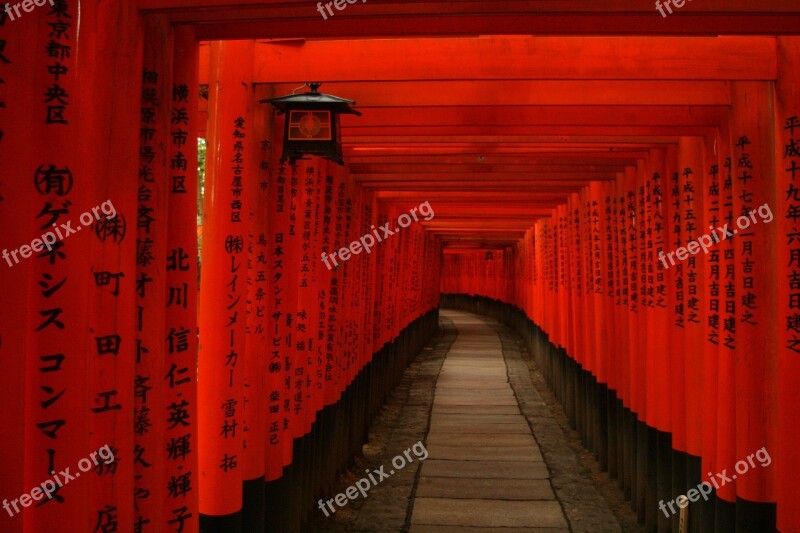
column 598, row 341
column 223, row 308
column 752, row 136
column 57, row 374
column 658, row 373
column 152, row 413
column 329, row 244
column 787, row 212
column 691, row 168
column 712, row 280
column 257, row 348
column 726, row 370
column 277, row 373
column 179, row 450
column 655, row 337
column 18, row 67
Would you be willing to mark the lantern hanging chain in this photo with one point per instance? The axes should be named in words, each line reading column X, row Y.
column 302, row 86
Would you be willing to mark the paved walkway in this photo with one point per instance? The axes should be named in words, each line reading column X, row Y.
column 484, row 468
column 470, row 397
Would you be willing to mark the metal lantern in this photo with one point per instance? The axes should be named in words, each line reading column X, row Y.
column 312, row 124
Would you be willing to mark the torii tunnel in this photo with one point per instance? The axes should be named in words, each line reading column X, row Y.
column 602, row 194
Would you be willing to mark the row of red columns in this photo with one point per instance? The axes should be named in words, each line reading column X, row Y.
column 66, row 345
column 707, row 349
column 198, row 375
column 480, row 272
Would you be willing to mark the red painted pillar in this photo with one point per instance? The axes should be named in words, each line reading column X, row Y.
column 575, row 235
column 726, row 369
column 608, row 362
column 55, row 369
column 60, row 394
column 633, row 308
column 277, row 302
column 223, row 308
column 712, row 281
column 290, row 246
column 295, row 343
column 600, row 279
column 179, row 450
column 151, row 410
column 257, row 352
column 615, row 370
column 336, row 308
column 676, row 233
column 64, row 398
column 331, row 234
column 659, row 327
column 18, row 68
column 111, row 145
column 588, row 271
column 562, row 285
column 787, row 213
column 621, row 290
column 752, row 136
column 691, row 169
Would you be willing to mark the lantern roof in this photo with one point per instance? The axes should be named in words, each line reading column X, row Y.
column 311, row 99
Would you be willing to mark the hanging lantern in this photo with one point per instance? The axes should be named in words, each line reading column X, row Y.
column 312, row 124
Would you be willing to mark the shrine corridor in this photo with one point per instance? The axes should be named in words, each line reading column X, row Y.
column 429, row 265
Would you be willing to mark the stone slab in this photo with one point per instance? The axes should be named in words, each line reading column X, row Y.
column 491, row 363
column 460, row 452
column 475, row 409
column 442, row 437
column 494, row 363
column 464, row 529
column 493, row 489
column 465, row 366
column 454, row 391
column 477, row 419
column 474, row 400
column 484, row 469
column 476, row 384
column 486, row 429
column 487, row 513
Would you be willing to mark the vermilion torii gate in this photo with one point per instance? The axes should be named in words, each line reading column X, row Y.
column 572, row 159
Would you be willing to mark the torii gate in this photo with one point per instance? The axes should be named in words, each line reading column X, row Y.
column 100, row 104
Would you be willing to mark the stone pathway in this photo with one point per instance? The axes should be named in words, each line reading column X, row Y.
column 484, row 469
column 496, row 453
